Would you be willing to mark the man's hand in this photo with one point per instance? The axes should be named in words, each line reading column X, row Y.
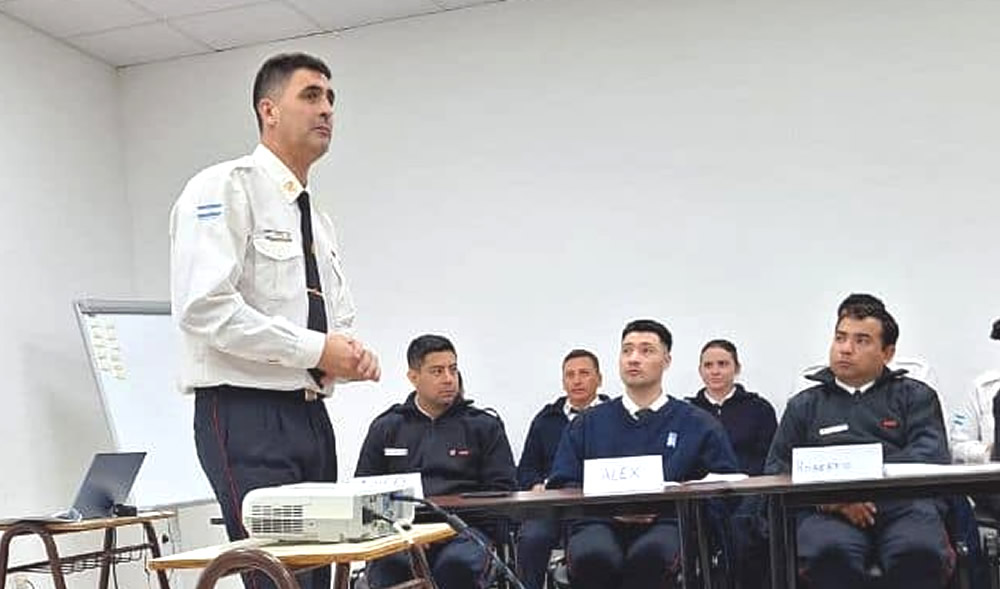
column 368, row 367
column 346, row 358
column 861, row 515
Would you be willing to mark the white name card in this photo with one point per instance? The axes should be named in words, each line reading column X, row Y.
column 628, row 474
column 837, row 463
column 408, row 480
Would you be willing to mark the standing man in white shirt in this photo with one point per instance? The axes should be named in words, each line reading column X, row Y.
column 261, row 300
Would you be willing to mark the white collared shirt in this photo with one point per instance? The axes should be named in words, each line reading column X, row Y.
column 721, row 401
column 238, row 282
column 855, row 390
column 570, row 415
column 634, row 408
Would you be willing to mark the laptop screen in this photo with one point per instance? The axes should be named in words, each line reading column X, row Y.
column 108, row 482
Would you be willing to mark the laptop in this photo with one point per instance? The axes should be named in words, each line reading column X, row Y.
column 108, row 483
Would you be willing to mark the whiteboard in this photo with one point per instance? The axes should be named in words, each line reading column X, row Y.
column 132, row 348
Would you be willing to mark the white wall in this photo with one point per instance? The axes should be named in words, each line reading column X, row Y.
column 528, row 176
column 65, row 234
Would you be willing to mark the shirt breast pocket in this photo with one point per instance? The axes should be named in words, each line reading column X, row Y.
column 280, row 273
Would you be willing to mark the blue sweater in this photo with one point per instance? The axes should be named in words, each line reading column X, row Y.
column 543, row 439
column 700, row 445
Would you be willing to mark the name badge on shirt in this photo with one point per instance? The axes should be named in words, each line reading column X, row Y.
column 672, row 440
column 627, row 474
column 275, row 235
column 396, row 451
column 833, row 429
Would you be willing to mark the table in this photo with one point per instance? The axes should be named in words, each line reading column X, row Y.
column 573, row 503
column 280, row 561
column 60, row 566
column 783, row 497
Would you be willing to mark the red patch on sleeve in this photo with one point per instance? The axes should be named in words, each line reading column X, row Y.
column 889, row 423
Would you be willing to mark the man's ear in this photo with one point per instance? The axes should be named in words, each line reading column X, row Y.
column 890, row 353
column 412, row 374
column 268, row 110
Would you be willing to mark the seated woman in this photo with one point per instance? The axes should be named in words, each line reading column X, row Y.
column 750, row 422
column 747, row 417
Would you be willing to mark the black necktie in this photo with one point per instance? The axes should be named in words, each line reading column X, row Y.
column 314, row 289
column 574, row 411
column 643, row 413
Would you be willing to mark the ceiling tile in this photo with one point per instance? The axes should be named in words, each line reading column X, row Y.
column 258, row 23
column 66, row 18
column 344, row 14
column 139, row 44
column 173, row 8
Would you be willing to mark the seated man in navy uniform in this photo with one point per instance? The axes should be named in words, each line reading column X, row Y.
column 637, row 552
column 858, row 400
column 456, row 447
column 581, row 377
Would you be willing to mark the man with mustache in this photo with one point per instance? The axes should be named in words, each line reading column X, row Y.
column 581, row 377
column 857, row 400
column 262, row 304
column 457, row 448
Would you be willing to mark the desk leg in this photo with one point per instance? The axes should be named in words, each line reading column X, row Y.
column 342, row 576
column 243, row 560
column 704, row 555
column 685, row 529
column 421, row 569
column 108, row 558
column 784, row 565
column 154, row 549
column 776, row 544
column 55, row 563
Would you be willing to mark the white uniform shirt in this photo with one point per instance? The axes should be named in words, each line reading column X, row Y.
column 972, row 425
column 238, row 279
column 633, row 408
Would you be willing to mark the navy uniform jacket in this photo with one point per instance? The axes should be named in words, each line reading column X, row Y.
column 903, row 414
column 690, row 440
column 750, row 423
column 463, row 450
column 543, row 439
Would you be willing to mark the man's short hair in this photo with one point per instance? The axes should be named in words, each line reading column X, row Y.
column 650, row 326
column 862, row 306
column 424, row 345
column 995, row 334
column 581, row 353
column 274, row 74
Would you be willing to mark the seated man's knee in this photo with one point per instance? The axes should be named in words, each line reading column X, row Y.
column 461, row 565
column 594, row 559
column 388, row 570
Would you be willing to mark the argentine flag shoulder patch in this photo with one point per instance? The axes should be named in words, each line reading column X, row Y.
column 209, row 211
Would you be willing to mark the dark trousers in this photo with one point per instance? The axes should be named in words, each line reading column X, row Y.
column 605, row 554
column 535, row 542
column 908, row 541
column 252, row 438
column 457, row 564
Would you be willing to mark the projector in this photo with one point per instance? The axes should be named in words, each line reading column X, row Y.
column 324, row 512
